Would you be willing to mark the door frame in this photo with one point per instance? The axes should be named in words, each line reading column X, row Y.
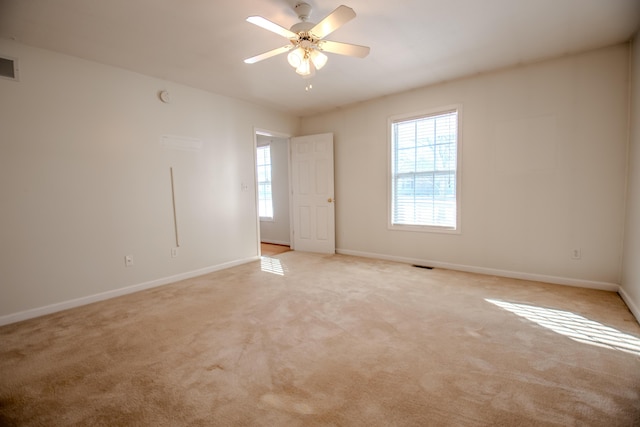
column 269, row 133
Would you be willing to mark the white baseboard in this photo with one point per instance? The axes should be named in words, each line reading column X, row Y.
column 635, row 310
column 603, row 286
column 53, row 308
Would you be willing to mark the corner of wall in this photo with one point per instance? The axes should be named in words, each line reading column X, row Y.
column 630, row 270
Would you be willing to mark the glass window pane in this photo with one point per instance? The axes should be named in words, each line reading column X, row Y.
column 406, row 161
column 445, row 158
column 425, row 159
column 424, row 170
column 265, row 197
column 405, row 135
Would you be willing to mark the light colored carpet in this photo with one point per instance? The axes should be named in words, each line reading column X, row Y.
column 314, row 340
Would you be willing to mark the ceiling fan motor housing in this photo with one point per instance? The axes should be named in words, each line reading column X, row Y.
column 302, row 27
column 303, row 10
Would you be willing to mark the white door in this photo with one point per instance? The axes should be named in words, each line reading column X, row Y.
column 313, row 202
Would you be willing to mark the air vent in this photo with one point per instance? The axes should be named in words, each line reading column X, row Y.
column 8, row 68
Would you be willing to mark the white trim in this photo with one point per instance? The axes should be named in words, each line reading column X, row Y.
column 290, row 195
column 53, row 308
column 256, row 132
column 635, row 310
column 65, row 305
column 589, row 284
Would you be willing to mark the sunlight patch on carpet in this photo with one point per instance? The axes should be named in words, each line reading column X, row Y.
column 271, row 265
column 574, row 326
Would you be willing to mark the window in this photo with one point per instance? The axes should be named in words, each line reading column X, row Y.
column 424, row 171
column 265, row 201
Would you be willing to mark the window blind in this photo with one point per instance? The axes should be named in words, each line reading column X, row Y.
column 424, row 170
column 265, row 197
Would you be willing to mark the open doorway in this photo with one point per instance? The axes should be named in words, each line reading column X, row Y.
column 295, row 196
column 272, row 172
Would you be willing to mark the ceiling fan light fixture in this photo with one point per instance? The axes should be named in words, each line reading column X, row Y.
column 318, row 58
column 296, row 57
column 305, row 69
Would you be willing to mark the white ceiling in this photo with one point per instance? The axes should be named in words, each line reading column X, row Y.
column 202, row 43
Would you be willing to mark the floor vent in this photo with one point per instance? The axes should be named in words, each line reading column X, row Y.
column 423, row 266
column 8, row 68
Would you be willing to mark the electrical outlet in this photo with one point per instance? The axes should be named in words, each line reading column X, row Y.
column 174, row 252
column 128, row 260
column 576, row 253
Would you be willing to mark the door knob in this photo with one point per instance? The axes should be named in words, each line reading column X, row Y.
column 330, row 200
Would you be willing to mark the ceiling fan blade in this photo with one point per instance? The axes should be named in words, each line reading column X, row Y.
column 333, row 21
column 344, row 48
column 268, row 54
column 271, row 26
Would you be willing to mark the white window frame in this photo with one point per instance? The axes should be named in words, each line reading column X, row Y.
column 412, row 116
column 265, row 218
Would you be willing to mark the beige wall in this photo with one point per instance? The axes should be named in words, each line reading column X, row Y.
column 85, row 178
column 543, row 171
column 85, row 181
column 631, row 265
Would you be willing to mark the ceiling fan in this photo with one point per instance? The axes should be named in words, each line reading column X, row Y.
column 306, row 39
